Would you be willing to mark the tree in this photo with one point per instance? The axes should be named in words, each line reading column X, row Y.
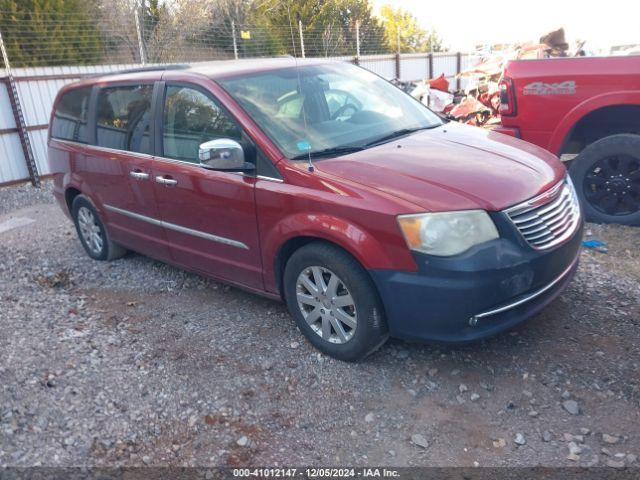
column 50, row 32
column 329, row 26
column 401, row 26
column 170, row 30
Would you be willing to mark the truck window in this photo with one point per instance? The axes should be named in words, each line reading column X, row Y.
column 70, row 116
column 123, row 115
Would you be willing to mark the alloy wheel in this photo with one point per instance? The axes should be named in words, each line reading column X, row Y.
column 326, row 304
column 90, row 230
column 612, row 185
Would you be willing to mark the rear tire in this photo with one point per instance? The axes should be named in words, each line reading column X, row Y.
column 334, row 302
column 606, row 175
column 92, row 232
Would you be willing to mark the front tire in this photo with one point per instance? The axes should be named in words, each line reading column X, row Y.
column 606, row 175
column 92, row 232
column 334, row 302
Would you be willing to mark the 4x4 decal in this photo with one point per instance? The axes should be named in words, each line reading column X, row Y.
column 541, row 88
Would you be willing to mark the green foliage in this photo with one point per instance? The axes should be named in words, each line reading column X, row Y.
column 50, row 32
column 329, row 26
column 401, row 26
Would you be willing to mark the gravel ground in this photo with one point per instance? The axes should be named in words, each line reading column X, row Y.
column 135, row 362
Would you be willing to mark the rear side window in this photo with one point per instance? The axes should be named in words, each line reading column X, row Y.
column 191, row 118
column 123, row 115
column 70, row 116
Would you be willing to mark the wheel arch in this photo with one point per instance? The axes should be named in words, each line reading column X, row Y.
column 586, row 114
column 299, row 230
column 70, row 195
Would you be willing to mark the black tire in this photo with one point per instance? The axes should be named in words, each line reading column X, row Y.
column 108, row 249
column 371, row 328
column 606, row 175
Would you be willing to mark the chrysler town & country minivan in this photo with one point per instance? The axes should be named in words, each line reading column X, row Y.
column 324, row 185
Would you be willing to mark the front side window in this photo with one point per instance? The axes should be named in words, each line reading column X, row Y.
column 323, row 108
column 123, row 115
column 190, row 119
column 70, row 117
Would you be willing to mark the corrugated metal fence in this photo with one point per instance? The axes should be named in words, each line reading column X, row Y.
column 37, row 88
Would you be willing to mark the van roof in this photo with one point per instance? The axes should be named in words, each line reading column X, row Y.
column 213, row 69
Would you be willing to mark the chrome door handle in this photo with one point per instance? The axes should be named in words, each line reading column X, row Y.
column 139, row 175
column 166, row 181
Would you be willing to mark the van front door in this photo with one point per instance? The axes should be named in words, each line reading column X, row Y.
column 209, row 216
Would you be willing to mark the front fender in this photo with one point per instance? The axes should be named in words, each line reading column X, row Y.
column 627, row 97
column 351, row 237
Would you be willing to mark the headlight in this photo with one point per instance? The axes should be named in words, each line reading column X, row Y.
column 447, row 233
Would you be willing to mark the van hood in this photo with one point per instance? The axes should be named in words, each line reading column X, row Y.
column 452, row 167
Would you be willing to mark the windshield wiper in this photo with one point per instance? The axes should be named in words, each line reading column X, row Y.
column 329, row 152
column 397, row 133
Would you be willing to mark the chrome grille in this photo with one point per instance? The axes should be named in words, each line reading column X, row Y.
column 549, row 218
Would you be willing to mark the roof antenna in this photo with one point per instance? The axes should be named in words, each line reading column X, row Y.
column 295, row 59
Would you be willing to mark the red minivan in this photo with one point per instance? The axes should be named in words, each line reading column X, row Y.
column 322, row 184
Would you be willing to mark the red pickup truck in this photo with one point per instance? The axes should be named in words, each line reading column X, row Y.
column 586, row 110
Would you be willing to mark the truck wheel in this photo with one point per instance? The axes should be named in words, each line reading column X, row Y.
column 334, row 302
column 93, row 235
column 606, row 175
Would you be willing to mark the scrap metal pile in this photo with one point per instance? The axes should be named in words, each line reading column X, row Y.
column 479, row 102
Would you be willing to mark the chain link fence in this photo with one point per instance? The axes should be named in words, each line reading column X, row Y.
column 129, row 37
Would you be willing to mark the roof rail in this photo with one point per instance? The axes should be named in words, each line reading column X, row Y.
column 153, row 68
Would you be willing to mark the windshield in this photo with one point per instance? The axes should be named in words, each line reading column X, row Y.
column 346, row 107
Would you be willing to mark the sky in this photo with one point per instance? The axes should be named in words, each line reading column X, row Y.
column 462, row 24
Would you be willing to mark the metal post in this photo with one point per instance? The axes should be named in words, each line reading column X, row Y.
column 235, row 42
column 430, row 65
column 18, row 116
column 398, row 53
column 301, row 38
column 143, row 58
column 357, row 59
column 458, row 69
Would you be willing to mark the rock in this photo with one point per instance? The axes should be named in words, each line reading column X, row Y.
column 574, row 448
column 146, row 459
column 474, row 397
column 486, row 386
column 533, row 414
column 631, row 458
column 243, row 441
column 571, row 406
column 295, row 345
column 499, row 443
column 463, row 388
column 369, row 417
column 419, row 440
column 566, row 395
column 460, row 399
column 585, row 431
column 392, row 453
column 455, row 372
column 546, row 436
column 573, row 457
column 403, row 354
column 433, row 372
column 615, row 463
column 519, row 439
column 610, row 439
column 605, row 451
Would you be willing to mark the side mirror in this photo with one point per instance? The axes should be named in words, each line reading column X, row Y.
column 223, row 154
